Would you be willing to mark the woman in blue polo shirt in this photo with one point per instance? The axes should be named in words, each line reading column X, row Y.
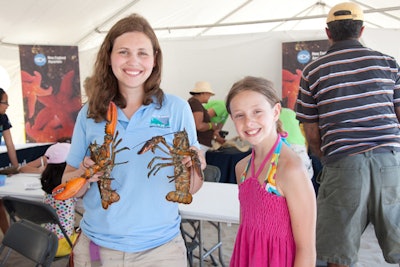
column 142, row 228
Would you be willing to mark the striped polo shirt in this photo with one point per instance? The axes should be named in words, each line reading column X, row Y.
column 351, row 92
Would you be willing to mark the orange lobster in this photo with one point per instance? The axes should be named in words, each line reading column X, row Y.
column 104, row 158
column 180, row 149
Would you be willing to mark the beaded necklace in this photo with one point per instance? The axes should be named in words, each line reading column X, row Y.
column 272, row 157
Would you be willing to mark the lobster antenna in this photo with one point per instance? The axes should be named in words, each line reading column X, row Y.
column 152, row 138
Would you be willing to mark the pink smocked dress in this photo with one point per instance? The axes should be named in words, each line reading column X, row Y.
column 264, row 237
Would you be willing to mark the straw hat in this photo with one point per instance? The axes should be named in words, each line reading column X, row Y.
column 346, row 10
column 202, row 87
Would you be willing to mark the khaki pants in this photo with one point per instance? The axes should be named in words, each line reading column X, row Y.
column 172, row 253
column 357, row 190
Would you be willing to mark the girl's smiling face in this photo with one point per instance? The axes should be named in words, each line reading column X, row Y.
column 254, row 117
column 132, row 59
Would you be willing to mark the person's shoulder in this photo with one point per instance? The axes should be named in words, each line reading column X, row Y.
column 287, row 111
column 173, row 98
column 291, row 164
column 4, row 120
column 311, row 66
column 214, row 102
column 85, row 107
column 241, row 164
column 381, row 54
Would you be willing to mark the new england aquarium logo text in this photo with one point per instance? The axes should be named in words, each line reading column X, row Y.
column 303, row 57
column 40, row 60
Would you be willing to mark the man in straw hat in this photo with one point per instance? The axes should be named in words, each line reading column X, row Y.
column 349, row 103
column 207, row 131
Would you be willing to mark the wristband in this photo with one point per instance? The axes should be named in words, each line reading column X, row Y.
column 209, row 126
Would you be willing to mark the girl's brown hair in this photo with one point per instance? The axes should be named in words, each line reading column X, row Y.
column 258, row 85
column 102, row 86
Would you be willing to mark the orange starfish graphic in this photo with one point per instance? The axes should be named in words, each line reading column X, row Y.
column 57, row 118
column 31, row 89
column 290, row 86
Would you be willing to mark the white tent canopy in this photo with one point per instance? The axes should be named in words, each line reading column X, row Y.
column 84, row 23
column 219, row 41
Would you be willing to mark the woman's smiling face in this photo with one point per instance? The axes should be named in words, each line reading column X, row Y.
column 132, row 59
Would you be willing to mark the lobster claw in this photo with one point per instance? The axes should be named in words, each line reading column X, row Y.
column 69, row 189
column 111, row 119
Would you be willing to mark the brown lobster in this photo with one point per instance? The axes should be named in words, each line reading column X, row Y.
column 104, row 161
column 180, row 149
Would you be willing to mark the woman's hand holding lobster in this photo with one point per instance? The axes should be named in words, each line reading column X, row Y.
column 196, row 179
column 187, row 160
column 85, row 165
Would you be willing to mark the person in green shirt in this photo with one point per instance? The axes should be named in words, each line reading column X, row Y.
column 217, row 111
column 296, row 137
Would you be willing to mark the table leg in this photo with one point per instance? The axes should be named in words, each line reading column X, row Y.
column 220, row 254
column 203, row 253
column 201, row 259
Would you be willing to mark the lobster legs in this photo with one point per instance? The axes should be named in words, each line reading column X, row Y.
column 182, row 173
column 104, row 161
column 182, row 187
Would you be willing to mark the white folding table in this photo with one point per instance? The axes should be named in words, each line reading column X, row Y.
column 214, row 202
column 23, row 185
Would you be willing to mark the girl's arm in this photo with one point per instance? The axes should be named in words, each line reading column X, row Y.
column 239, row 169
column 300, row 196
column 12, row 154
column 35, row 166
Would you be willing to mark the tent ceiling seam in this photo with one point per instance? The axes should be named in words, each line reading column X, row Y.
column 372, row 8
column 169, row 28
column 114, row 15
column 227, row 16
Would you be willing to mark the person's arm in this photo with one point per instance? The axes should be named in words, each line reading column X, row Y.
column 313, row 138
column 211, row 112
column 218, row 137
column 397, row 110
column 12, row 154
column 71, row 172
column 203, row 126
column 300, row 198
column 239, row 169
column 35, row 166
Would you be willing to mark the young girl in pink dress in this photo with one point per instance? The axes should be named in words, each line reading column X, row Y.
column 277, row 199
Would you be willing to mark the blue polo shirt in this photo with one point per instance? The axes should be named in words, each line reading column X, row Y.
column 142, row 219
